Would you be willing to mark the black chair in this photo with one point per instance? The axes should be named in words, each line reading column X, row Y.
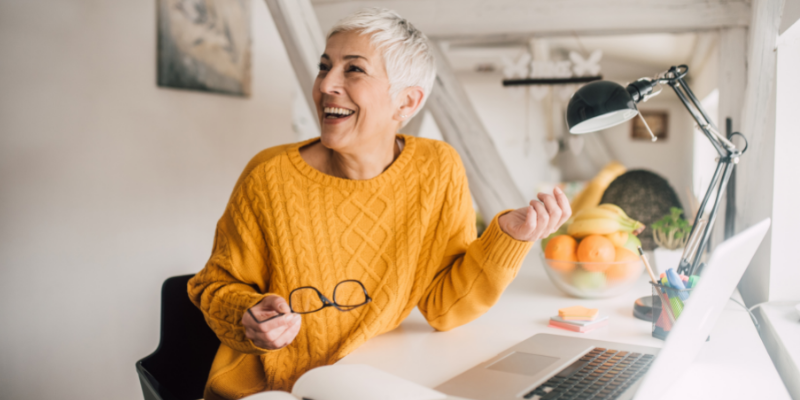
column 179, row 367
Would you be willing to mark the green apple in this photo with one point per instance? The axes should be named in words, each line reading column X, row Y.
column 585, row 280
column 633, row 244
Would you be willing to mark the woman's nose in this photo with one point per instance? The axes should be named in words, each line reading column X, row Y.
column 331, row 83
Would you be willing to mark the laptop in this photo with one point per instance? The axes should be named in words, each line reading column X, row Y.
column 547, row 366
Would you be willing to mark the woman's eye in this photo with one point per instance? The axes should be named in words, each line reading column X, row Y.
column 353, row 68
column 323, row 67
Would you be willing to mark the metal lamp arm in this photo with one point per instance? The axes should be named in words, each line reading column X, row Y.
column 728, row 155
column 674, row 78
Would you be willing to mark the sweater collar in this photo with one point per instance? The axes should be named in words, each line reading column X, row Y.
column 385, row 177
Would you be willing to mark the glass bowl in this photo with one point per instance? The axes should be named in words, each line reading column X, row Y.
column 593, row 280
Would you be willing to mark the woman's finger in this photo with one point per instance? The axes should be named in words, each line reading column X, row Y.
column 283, row 322
column 553, row 209
column 563, row 203
column 275, row 303
column 542, row 219
column 260, row 338
column 267, row 308
column 269, row 333
column 530, row 220
column 272, row 337
column 289, row 335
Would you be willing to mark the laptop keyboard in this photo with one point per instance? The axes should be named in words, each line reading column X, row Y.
column 600, row 374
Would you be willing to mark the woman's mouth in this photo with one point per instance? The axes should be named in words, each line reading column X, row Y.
column 336, row 113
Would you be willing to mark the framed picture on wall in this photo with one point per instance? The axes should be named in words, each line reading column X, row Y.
column 658, row 122
column 204, row 45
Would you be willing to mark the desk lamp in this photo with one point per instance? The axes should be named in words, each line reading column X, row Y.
column 603, row 104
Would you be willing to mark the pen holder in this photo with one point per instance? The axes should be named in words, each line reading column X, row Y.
column 668, row 304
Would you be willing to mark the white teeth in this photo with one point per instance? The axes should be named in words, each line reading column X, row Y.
column 336, row 110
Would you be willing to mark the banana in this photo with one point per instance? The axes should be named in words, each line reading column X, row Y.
column 610, row 212
column 598, row 226
column 605, row 219
column 591, row 195
column 613, row 207
column 597, row 213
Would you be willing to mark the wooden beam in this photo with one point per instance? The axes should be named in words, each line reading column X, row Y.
column 732, row 75
column 507, row 19
column 303, row 39
column 489, row 180
column 756, row 171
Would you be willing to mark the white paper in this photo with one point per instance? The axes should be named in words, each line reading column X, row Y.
column 358, row 382
column 579, row 322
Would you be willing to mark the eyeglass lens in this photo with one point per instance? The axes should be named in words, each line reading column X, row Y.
column 349, row 294
column 306, row 300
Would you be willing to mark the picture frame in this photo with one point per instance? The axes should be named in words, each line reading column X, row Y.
column 205, row 45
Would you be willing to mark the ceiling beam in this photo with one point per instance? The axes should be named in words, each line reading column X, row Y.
column 304, row 42
column 509, row 20
column 491, row 184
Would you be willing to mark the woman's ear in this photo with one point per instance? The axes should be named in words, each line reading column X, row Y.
column 408, row 100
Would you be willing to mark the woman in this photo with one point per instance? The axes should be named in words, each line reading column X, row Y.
column 361, row 202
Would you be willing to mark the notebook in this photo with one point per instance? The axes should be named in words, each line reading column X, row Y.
column 352, row 382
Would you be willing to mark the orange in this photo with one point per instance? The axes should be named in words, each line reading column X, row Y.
column 561, row 248
column 596, row 251
column 626, row 262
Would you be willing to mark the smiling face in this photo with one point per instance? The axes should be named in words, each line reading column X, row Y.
column 351, row 92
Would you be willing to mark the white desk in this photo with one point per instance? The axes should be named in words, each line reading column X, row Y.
column 733, row 365
column 780, row 329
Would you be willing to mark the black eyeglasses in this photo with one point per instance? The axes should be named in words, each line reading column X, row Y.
column 347, row 296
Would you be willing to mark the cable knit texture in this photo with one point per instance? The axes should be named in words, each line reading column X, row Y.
column 407, row 234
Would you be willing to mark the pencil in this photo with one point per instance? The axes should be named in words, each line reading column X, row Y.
column 665, row 304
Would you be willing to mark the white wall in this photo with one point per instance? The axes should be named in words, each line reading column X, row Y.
column 784, row 269
column 502, row 112
column 109, row 185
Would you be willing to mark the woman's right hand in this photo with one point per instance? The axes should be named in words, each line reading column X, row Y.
column 275, row 333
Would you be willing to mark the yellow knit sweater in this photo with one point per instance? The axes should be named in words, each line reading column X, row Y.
column 407, row 234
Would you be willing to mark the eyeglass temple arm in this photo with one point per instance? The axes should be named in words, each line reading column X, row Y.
column 268, row 319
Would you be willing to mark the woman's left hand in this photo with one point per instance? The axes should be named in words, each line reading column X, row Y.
column 538, row 220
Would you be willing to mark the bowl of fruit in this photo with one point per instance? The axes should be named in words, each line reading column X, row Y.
column 594, row 255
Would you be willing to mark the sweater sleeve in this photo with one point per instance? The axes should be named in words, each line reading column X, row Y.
column 473, row 272
column 235, row 277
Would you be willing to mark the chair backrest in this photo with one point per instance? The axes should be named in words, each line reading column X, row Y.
column 179, row 367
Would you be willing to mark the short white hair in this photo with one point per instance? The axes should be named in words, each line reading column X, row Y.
column 406, row 51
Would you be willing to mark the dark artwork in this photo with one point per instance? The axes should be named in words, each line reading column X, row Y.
column 204, row 45
column 645, row 197
column 657, row 120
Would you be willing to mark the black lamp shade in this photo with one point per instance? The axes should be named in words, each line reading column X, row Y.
column 599, row 105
